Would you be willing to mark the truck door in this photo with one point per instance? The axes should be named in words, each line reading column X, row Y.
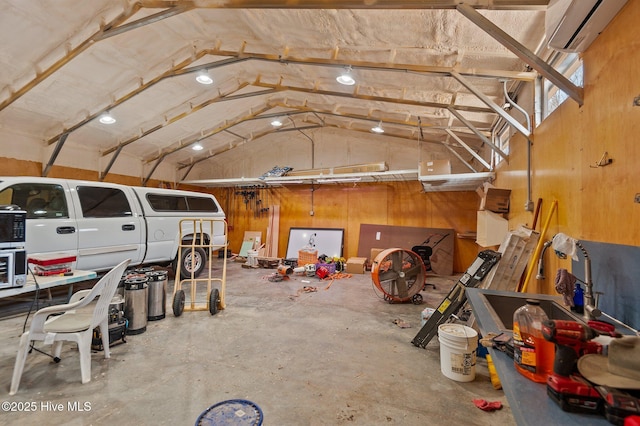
column 51, row 227
column 110, row 226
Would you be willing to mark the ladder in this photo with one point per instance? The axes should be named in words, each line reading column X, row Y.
column 457, row 297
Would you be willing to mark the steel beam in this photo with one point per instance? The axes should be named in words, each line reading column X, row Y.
column 372, row 98
column 460, row 157
column 173, row 120
column 54, row 154
column 167, row 74
column 478, row 133
column 376, row 66
column 356, row 4
column 495, row 107
column 468, row 148
column 73, row 53
column 210, row 133
column 576, row 93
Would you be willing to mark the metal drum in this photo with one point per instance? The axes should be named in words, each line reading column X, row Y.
column 157, row 300
column 136, row 294
column 116, row 309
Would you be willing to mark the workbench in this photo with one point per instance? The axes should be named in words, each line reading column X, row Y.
column 529, row 402
column 48, row 282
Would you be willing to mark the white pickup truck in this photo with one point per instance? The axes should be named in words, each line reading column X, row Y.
column 103, row 223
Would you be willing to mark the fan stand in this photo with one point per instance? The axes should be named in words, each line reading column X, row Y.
column 399, row 274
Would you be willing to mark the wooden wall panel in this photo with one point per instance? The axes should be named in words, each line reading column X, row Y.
column 348, row 206
column 594, row 203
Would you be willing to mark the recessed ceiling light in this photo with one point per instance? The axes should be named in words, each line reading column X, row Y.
column 204, row 78
column 197, row 147
column 107, row 118
column 276, row 123
column 378, row 128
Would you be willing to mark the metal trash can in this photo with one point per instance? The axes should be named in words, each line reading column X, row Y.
column 157, row 299
column 135, row 304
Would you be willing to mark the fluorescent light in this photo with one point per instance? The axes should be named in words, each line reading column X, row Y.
column 107, row 118
column 338, row 179
column 378, row 128
column 197, row 147
column 203, row 78
column 282, row 181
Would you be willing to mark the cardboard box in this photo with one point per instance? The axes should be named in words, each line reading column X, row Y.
column 492, row 229
column 356, row 265
column 374, row 253
column 435, row 167
column 494, row 199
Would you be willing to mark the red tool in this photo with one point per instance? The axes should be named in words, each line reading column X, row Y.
column 604, row 328
column 565, row 386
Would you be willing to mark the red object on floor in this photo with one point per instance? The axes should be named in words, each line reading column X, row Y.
column 486, row 405
column 632, row 421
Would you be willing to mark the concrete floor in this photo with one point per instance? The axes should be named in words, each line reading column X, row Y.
column 331, row 357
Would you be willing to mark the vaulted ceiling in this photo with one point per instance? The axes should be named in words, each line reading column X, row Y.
column 427, row 70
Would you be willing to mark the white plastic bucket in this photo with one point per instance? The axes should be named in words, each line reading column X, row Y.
column 458, row 344
column 252, row 257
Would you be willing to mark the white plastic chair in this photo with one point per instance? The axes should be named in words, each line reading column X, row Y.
column 79, row 317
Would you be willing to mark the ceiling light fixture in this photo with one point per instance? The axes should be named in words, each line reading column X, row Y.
column 276, row 122
column 107, row 118
column 345, row 78
column 197, row 147
column 204, row 78
column 339, row 179
column 378, row 128
column 282, row 181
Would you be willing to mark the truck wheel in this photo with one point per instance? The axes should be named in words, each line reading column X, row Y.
column 192, row 261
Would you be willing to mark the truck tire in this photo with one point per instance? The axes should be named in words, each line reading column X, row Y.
column 192, row 261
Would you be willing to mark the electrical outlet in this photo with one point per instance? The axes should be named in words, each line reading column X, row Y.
column 637, row 198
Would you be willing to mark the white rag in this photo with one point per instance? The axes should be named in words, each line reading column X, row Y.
column 565, row 244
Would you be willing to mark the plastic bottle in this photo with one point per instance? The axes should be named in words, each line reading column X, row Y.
column 533, row 355
column 578, row 300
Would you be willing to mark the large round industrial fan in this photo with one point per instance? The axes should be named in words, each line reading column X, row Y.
column 399, row 274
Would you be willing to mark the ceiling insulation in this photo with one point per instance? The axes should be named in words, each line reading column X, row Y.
column 59, row 71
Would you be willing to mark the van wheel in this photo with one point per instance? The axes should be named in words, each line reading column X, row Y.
column 192, row 261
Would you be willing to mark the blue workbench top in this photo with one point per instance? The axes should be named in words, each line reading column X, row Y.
column 528, row 400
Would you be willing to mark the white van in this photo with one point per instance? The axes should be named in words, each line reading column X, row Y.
column 104, row 223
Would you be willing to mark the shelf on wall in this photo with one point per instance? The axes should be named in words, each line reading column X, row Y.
column 455, row 181
column 430, row 183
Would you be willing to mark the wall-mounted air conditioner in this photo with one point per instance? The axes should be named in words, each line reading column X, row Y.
column 572, row 25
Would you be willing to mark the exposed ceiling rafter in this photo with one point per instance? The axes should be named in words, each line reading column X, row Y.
column 576, row 93
column 114, row 27
column 355, row 4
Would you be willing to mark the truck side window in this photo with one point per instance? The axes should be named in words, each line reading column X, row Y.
column 179, row 203
column 201, row 204
column 97, row 201
column 39, row 200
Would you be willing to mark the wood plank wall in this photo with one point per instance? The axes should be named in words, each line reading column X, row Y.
column 594, row 203
column 335, row 206
column 347, row 206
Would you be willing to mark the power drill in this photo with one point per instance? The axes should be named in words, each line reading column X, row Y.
column 572, row 340
column 565, row 385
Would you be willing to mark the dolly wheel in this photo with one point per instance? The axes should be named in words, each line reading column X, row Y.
column 178, row 303
column 214, row 301
column 416, row 299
